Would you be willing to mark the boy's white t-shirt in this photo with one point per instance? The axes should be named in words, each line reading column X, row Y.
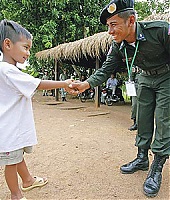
column 17, row 127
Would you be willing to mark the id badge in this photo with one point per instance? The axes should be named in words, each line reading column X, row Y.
column 130, row 88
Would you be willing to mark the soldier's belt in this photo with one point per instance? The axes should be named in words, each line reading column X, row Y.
column 162, row 70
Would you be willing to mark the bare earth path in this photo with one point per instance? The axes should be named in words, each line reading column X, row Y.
column 80, row 151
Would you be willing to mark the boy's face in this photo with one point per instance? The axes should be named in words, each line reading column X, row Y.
column 18, row 51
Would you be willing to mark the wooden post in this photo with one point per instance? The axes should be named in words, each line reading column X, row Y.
column 97, row 89
column 56, row 71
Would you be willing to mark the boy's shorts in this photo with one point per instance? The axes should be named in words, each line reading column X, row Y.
column 14, row 157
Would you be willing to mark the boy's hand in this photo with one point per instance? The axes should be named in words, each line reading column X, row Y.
column 68, row 88
column 78, row 87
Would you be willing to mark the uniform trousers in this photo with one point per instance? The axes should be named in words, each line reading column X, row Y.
column 134, row 107
column 153, row 113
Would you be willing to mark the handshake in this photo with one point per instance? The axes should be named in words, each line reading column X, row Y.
column 75, row 87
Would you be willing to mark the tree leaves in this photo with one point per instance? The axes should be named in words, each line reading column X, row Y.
column 53, row 22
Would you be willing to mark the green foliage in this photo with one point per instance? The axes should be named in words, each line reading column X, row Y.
column 53, row 22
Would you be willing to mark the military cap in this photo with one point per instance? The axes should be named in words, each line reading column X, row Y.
column 115, row 7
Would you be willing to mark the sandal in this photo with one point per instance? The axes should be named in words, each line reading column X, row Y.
column 39, row 182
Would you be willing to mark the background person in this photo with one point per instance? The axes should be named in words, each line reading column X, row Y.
column 147, row 45
column 45, row 77
column 63, row 77
column 112, row 83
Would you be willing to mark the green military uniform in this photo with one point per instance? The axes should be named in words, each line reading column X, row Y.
column 150, row 53
column 153, row 57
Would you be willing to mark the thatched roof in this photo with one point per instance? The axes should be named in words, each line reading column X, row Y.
column 83, row 51
column 158, row 16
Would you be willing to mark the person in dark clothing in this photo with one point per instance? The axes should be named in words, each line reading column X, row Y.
column 146, row 45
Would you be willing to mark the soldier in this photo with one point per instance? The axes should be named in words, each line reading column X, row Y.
column 147, row 45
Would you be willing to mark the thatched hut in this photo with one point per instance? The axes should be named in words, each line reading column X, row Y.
column 89, row 52
column 83, row 52
column 158, row 16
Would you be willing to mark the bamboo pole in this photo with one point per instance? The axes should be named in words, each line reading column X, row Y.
column 97, row 89
column 56, row 78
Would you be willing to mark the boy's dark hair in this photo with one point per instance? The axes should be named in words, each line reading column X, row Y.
column 13, row 31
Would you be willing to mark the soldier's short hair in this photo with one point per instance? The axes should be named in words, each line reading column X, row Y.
column 126, row 14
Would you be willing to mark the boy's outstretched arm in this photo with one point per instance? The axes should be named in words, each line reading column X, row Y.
column 50, row 84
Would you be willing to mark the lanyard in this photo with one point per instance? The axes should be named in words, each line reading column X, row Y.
column 127, row 64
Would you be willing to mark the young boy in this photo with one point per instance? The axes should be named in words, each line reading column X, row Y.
column 17, row 128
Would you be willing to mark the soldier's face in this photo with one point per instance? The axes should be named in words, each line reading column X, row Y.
column 119, row 28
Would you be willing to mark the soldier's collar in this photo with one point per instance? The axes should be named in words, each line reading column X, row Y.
column 139, row 36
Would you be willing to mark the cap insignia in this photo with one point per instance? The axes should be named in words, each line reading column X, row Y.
column 112, row 8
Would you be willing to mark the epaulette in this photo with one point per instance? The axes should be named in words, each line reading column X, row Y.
column 153, row 24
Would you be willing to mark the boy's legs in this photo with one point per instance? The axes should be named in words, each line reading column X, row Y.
column 11, row 177
column 23, row 172
column 14, row 162
column 27, row 178
column 12, row 181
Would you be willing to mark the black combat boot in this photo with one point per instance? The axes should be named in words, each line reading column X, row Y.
column 140, row 163
column 134, row 126
column 152, row 183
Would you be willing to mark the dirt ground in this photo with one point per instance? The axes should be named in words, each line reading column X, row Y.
column 80, row 150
